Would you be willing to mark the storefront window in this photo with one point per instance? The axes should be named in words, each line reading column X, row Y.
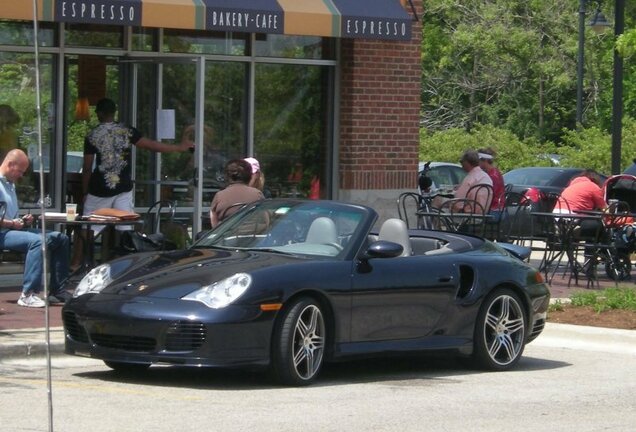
column 93, row 35
column 290, row 128
column 225, row 119
column 21, row 33
column 18, row 96
column 299, row 47
column 205, row 42
column 144, row 39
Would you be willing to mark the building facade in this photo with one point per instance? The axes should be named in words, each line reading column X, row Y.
column 326, row 94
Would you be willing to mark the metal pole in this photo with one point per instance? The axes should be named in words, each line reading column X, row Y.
column 579, row 69
column 617, row 103
column 47, row 321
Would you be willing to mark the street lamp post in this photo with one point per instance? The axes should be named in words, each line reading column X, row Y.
column 579, row 66
column 617, row 102
column 598, row 23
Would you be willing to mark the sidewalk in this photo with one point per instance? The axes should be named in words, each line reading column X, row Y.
column 22, row 329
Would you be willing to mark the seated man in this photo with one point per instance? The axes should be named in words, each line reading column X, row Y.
column 476, row 176
column 15, row 236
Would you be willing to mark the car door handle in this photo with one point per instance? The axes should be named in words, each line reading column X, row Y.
column 445, row 279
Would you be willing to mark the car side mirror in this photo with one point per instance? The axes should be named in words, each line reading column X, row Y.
column 383, row 249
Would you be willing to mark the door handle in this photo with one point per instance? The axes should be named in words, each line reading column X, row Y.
column 445, row 279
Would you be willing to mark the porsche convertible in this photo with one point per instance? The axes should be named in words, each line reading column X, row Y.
column 291, row 284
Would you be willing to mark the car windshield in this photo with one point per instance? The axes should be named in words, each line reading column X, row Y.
column 314, row 228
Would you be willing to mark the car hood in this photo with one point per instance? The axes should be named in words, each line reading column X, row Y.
column 175, row 274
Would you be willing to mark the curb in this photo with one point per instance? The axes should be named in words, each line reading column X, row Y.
column 27, row 343
column 586, row 338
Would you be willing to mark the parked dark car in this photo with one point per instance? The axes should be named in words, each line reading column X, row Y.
column 545, row 179
column 631, row 170
column 291, row 284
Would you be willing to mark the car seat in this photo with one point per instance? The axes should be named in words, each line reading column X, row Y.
column 395, row 230
column 322, row 231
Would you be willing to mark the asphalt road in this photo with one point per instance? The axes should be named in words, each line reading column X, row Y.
column 560, row 385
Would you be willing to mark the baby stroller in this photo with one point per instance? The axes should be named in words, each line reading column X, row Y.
column 620, row 195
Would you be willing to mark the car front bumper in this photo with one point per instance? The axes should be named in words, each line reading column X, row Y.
column 155, row 330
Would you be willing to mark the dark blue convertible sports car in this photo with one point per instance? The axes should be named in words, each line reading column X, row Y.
column 290, row 284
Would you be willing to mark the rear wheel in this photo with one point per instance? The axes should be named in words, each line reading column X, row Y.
column 127, row 368
column 619, row 267
column 500, row 331
column 299, row 343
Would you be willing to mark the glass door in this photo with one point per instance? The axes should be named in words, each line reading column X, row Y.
column 165, row 96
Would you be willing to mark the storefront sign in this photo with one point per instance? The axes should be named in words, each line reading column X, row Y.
column 118, row 12
column 245, row 21
column 375, row 28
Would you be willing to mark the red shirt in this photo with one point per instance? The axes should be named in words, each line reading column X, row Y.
column 498, row 189
column 581, row 194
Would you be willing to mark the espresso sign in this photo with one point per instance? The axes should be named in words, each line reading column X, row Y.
column 115, row 12
column 376, row 28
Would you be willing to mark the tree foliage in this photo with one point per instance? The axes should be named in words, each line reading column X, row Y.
column 512, row 65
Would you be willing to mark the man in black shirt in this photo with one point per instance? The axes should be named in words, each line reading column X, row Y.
column 109, row 145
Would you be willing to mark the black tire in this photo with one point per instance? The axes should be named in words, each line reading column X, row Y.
column 500, row 331
column 619, row 267
column 127, row 368
column 299, row 343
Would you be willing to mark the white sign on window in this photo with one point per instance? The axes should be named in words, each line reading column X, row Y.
column 165, row 124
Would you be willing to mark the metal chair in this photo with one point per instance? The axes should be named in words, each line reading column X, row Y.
column 483, row 194
column 462, row 215
column 163, row 210
column 408, row 203
column 229, row 211
column 514, row 223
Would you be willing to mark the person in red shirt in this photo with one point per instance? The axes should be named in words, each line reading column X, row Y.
column 487, row 163
column 582, row 193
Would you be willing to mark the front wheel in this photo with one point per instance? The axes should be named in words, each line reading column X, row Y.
column 500, row 331
column 299, row 343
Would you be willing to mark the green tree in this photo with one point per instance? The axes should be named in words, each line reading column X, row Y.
column 513, row 64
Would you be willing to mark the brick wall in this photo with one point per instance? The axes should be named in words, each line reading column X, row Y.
column 380, row 107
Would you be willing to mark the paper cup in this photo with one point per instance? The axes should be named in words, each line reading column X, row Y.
column 71, row 211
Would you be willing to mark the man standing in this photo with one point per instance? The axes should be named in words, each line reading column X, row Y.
column 110, row 185
column 15, row 236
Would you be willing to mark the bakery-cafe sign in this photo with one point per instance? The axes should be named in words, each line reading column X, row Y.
column 118, row 12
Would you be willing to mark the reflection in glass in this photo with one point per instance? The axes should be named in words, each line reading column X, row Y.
column 225, row 114
column 93, row 35
column 290, row 128
column 300, row 47
column 21, row 96
column 202, row 42
column 21, row 33
column 144, row 39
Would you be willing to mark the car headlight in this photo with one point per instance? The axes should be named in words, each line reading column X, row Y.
column 94, row 281
column 222, row 293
